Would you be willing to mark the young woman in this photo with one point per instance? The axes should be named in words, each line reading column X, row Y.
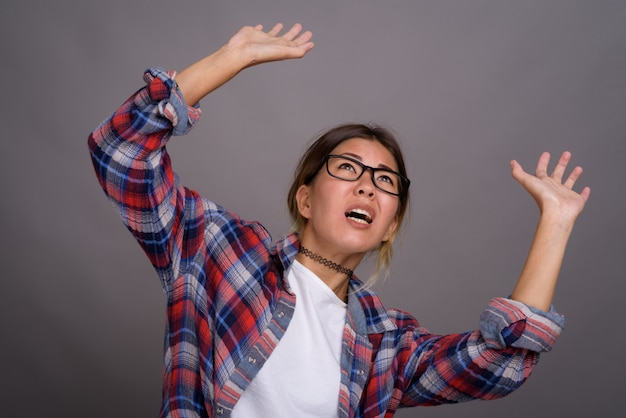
column 263, row 329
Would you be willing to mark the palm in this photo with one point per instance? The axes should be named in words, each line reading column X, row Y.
column 549, row 190
column 270, row 46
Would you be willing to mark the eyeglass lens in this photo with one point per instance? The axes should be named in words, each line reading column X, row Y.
column 351, row 170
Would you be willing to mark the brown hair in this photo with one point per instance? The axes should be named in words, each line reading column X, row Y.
column 313, row 160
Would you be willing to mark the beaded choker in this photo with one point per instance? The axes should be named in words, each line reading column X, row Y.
column 318, row 258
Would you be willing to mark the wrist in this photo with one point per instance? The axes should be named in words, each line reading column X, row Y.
column 208, row 74
column 557, row 219
column 235, row 56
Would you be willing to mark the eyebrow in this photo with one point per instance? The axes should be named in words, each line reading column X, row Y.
column 358, row 157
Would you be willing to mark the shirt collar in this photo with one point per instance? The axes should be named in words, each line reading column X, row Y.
column 366, row 312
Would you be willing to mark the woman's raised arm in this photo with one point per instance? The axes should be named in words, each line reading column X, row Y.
column 249, row 46
column 559, row 206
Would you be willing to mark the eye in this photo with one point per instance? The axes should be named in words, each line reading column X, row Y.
column 385, row 179
column 347, row 166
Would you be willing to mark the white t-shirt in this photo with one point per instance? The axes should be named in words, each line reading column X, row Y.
column 301, row 378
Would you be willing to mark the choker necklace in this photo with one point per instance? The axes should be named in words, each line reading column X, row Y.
column 325, row 262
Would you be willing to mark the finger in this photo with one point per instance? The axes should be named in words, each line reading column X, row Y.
column 303, row 38
column 258, row 27
column 542, row 165
column 574, row 175
column 293, row 32
column 515, row 167
column 275, row 30
column 561, row 165
column 517, row 171
column 586, row 193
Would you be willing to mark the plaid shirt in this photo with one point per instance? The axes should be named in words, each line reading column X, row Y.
column 228, row 303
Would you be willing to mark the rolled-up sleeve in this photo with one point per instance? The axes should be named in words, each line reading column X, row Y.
column 487, row 363
column 509, row 323
column 134, row 170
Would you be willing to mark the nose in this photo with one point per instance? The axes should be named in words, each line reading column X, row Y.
column 368, row 193
column 365, row 185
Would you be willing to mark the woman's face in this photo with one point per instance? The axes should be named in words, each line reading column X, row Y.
column 349, row 217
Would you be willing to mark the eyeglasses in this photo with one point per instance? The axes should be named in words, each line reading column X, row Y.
column 349, row 169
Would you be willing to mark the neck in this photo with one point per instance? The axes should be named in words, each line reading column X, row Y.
column 325, row 262
column 334, row 275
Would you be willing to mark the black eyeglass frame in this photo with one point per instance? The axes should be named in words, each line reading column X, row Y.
column 404, row 181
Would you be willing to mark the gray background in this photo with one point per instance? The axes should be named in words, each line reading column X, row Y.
column 467, row 86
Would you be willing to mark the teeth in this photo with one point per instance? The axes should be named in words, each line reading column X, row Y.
column 359, row 220
column 359, row 215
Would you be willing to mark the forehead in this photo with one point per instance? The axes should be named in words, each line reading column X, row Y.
column 368, row 151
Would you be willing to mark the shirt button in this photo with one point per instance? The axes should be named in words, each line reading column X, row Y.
column 281, row 314
column 360, row 372
column 220, row 411
column 251, row 360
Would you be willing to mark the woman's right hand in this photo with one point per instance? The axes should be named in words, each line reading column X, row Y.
column 257, row 46
column 248, row 47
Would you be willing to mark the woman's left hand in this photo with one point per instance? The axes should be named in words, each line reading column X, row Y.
column 550, row 192
column 559, row 205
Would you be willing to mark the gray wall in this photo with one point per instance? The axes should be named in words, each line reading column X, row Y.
column 467, row 85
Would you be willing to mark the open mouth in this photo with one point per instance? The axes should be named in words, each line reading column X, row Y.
column 359, row 215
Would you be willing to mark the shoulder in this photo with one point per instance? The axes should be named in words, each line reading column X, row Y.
column 226, row 224
column 402, row 319
column 379, row 319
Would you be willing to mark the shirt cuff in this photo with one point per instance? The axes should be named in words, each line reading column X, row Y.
column 509, row 323
column 164, row 90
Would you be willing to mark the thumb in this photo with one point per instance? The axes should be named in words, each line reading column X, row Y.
column 516, row 170
column 518, row 173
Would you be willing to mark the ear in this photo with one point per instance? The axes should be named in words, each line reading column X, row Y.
column 303, row 199
column 391, row 230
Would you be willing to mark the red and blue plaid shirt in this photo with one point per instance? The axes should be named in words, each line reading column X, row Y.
column 228, row 302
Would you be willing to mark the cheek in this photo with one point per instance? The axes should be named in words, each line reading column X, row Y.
column 392, row 222
column 391, row 205
column 328, row 192
column 324, row 204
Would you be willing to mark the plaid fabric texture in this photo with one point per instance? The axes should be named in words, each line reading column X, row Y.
column 228, row 303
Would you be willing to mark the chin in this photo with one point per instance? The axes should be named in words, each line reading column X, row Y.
column 358, row 246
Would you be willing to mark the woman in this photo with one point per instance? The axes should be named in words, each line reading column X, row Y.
column 258, row 329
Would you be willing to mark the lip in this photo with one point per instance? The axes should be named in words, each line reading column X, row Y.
column 362, row 209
